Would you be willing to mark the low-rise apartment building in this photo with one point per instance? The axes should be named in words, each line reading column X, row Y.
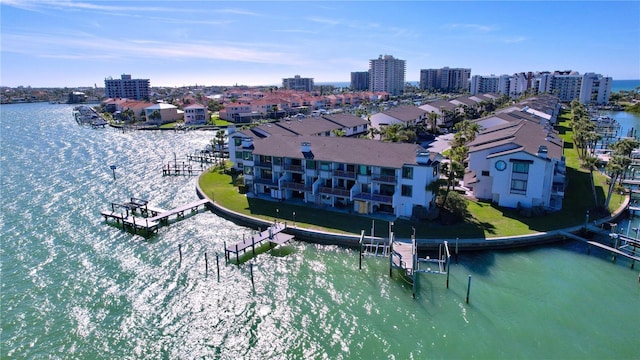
column 518, row 164
column 359, row 175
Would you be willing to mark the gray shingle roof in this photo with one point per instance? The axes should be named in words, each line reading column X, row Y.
column 405, row 112
column 340, row 149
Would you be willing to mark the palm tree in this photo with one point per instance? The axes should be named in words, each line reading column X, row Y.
column 615, row 167
column 591, row 163
column 432, row 118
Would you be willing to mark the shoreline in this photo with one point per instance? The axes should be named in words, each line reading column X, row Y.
column 466, row 244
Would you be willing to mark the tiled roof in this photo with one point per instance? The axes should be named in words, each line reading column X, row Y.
column 340, row 149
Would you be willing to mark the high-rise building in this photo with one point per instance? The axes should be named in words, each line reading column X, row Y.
column 298, row 83
column 360, row 80
column 387, row 74
column 126, row 87
column 489, row 84
column 445, row 79
column 595, row 89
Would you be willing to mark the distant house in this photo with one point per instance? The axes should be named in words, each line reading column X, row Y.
column 77, row 97
column 403, row 114
column 196, row 114
column 167, row 113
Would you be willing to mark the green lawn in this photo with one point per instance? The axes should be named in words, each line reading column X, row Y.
column 486, row 219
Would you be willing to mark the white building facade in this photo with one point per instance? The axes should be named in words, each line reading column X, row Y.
column 363, row 176
column 387, row 74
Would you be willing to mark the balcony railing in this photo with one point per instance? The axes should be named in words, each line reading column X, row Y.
column 384, row 178
column 295, row 186
column 264, row 181
column 334, row 191
column 294, row 168
column 344, row 174
column 263, row 164
column 383, row 199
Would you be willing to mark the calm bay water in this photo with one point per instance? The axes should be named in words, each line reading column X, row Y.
column 76, row 287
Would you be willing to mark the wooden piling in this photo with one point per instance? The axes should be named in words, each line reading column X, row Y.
column 468, row 288
column 180, row 251
column 251, row 272
column 206, row 264
column 218, row 267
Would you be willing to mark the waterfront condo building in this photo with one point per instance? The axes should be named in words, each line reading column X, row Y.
column 359, row 175
column 517, row 159
column 298, row 83
column 360, row 81
column 595, row 89
column 387, row 74
column 126, row 87
column 445, row 79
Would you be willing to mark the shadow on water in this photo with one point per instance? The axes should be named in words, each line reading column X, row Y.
column 477, row 262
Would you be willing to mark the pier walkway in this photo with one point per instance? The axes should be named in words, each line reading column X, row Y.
column 145, row 223
column 623, row 245
column 272, row 234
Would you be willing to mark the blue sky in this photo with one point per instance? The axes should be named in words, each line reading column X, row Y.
column 174, row 43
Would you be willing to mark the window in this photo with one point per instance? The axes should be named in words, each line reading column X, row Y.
column 277, row 161
column 388, row 172
column 247, row 155
column 518, row 186
column 485, row 173
column 237, row 141
column 521, row 167
column 248, row 170
column 325, row 165
column 239, row 155
column 407, row 172
column 407, row 190
column 310, row 164
column 364, row 170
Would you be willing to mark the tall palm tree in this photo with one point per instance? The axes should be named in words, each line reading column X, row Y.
column 591, row 163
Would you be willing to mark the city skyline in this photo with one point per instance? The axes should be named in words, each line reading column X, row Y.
column 77, row 44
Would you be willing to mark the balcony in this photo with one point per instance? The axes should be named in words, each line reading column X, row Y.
column 265, row 182
column 289, row 185
column 344, row 174
column 294, row 168
column 383, row 199
column 262, row 164
column 384, row 179
column 334, row 191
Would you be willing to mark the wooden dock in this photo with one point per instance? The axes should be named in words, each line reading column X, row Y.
column 145, row 224
column 622, row 245
column 273, row 235
column 176, row 168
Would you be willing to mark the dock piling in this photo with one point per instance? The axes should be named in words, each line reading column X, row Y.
column 180, row 252
column 468, row 288
column 251, row 272
column 206, row 264
column 218, row 267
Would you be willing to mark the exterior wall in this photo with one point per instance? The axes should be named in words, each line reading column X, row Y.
column 126, row 87
column 538, row 182
column 334, row 184
column 595, row 89
column 195, row 115
column 387, row 74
